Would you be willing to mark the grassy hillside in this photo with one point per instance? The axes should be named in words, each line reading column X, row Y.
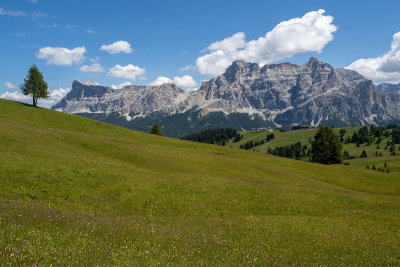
column 79, row 192
column 376, row 155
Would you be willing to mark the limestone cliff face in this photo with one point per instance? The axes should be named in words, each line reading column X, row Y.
column 388, row 88
column 280, row 94
column 91, row 98
column 287, row 94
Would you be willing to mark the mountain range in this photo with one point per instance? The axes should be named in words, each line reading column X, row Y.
column 246, row 96
column 389, row 88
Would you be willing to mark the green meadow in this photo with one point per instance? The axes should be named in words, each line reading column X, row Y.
column 78, row 192
column 377, row 155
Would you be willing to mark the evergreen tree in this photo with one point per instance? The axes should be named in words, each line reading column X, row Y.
column 342, row 132
column 218, row 136
column 363, row 154
column 392, row 148
column 346, row 155
column 155, row 129
column 270, row 137
column 326, row 147
column 35, row 85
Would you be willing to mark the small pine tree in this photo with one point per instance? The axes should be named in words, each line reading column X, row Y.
column 392, row 148
column 385, row 165
column 326, row 147
column 374, row 167
column 367, row 167
column 363, row 154
column 35, row 85
column 155, row 129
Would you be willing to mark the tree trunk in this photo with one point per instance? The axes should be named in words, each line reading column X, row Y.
column 34, row 100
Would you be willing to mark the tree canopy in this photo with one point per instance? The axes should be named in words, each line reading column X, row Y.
column 219, row 136
column 155, row 129
column 35, row 85
column 326, row 147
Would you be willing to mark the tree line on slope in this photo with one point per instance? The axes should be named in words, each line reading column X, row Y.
column 326, row 148
column 372, row 134
column 250, row 144
column 217, row 136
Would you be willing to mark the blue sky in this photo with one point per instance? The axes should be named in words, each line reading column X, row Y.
column 162, row 37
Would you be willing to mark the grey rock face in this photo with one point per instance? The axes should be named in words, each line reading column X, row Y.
column 311, row 93
column 130, row 99
column 388, row 88
column 282, row 94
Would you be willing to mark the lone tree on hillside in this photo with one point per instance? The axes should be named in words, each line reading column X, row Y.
column 35, row 85
column 326, row 147
column 155, row 129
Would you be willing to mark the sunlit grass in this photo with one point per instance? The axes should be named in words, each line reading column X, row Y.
column 377, row 155
column 78, row 192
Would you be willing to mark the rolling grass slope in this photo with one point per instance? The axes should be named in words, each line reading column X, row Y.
column 79, row 192
column 304, row 136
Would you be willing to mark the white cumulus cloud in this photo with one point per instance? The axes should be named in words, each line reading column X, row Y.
column 231, row 43
column 117, row 47
column 9, row 85
column 129, row 71
column 161, row 80
column 55, row 96
column 309, row 33
column 62, row 56
column 95, row 67
column 185, row 81
column 119, row 86
column 16, row 96
column 385, row 68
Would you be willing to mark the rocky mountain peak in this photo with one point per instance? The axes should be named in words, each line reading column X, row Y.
column 168, row 87
column 313, row 93
column 313, row 60
column 314, row 63
column 239, row 68
column 89, row 97
column 87, row 83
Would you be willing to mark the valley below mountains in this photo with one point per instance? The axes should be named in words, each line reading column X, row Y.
column 245, row 97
